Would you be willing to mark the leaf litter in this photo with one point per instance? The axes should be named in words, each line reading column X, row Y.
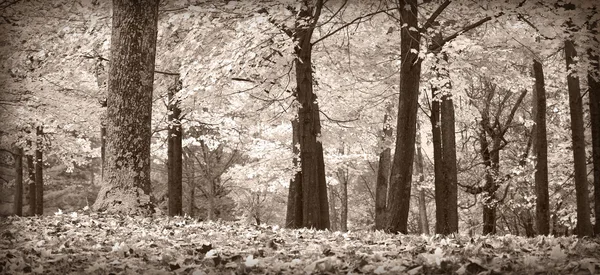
column 86, row 242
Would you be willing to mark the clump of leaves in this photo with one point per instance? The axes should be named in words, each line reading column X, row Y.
column 97, row 243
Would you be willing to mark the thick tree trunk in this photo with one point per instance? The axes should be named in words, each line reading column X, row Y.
column 18, row 201
column 423, row 220
column 315, row 207
column 593, row 78
column 294, row 205
column 542, row 207
column 174, row 153
column 126, row 185
column 449, row 169
column 39, row 174
column 383, row 173
column 410, row 74
column 31, row 178
column 584, row 226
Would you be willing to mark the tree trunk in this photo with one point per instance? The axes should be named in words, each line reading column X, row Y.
column 174, row 152
column 584, row 226
column 542, row 207
column 31, row 178
column 333, row 209
column 315, row 207
column 383, row 173
column 126, row 186
column 439, row 186
column 294, row 205
column 343, row 176
column 18, row 201
column 449, row 169
column 410, row 74
column 103, row 103
column 39, row 176
column 191, row 181
column 423, row 220
column 593, row 78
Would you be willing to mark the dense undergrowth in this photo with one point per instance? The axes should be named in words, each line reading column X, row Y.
column 86, row 242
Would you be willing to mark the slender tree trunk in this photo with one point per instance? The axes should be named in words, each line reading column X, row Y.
column 18, row 201
column 333, row 209
column 31, row 178
column 450, row 171
column 584, row 226
column 174, row 152
column 343, row 176
column 383, row 173
column 103, row 104
column 126, row 185
column 439, row 185
column 542, row 207
column 39, row 176
column 423, row 220
column 410, row 74
column 191, row 181
column 593, row 78
column 294, row 206
column 315, row 207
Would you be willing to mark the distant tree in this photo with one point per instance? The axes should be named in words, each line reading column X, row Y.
column 18, row 201
column 39, row 170
column 31, row 179
column 542, row 205
column 126, row 185
column 175, row 153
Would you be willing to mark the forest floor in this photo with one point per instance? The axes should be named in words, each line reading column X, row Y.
column 86, row 242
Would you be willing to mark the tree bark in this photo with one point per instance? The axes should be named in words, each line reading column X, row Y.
column 18, row 201
column 542, row 207
column 423, row 220
column 315, row 207
column 593, row 78
column 126, row 186
column 103, row 103
column 584, row 226
column 294, row 205
column 343, row 176
column 333, row 209
column 449, row 166
column 410, row 74
column 39, row 176
column 31, row 178
column 383, row 173
column 174, row 153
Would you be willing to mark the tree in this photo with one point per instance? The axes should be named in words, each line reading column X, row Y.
column 39, row 168
column 294, row 205
column 542, row 203
column 584, row 226
column 18, row 201
column 31, row 178
column 175, row 151
column 423, row 218
column 593, row 78
column 126, row 184
column 315, row 206
column 410, row 74
column 383, row 172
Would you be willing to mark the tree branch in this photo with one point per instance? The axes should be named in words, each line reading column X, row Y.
column 435, row 15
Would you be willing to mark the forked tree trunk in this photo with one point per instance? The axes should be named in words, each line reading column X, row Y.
column 383, row 173
column 542, row 207
column 39, row 174
column 315, row 207
column 18, row 201
column 593, row 78
column 174, row 153
column 584, row 226
column 126, row 185
column 410, row 75
column 294, row 206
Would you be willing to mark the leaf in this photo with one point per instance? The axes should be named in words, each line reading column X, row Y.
column 557, row 253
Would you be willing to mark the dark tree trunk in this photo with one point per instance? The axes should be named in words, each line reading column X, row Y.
column 31, row 178
column 383, row 174
column 344, row 178
column 410, row 74
column 315, row 207
column 542, row 207
column 449, row 169
column 439, row 186
column 102, row 140
column 294, row 206
column 39, row 174
column 18, row 201
column 593, row 78
column 423, row 220
column 584, row 226
column 126, row 185
column 174, row 152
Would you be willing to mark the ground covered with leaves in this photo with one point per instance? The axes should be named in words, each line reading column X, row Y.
column 86, row 242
